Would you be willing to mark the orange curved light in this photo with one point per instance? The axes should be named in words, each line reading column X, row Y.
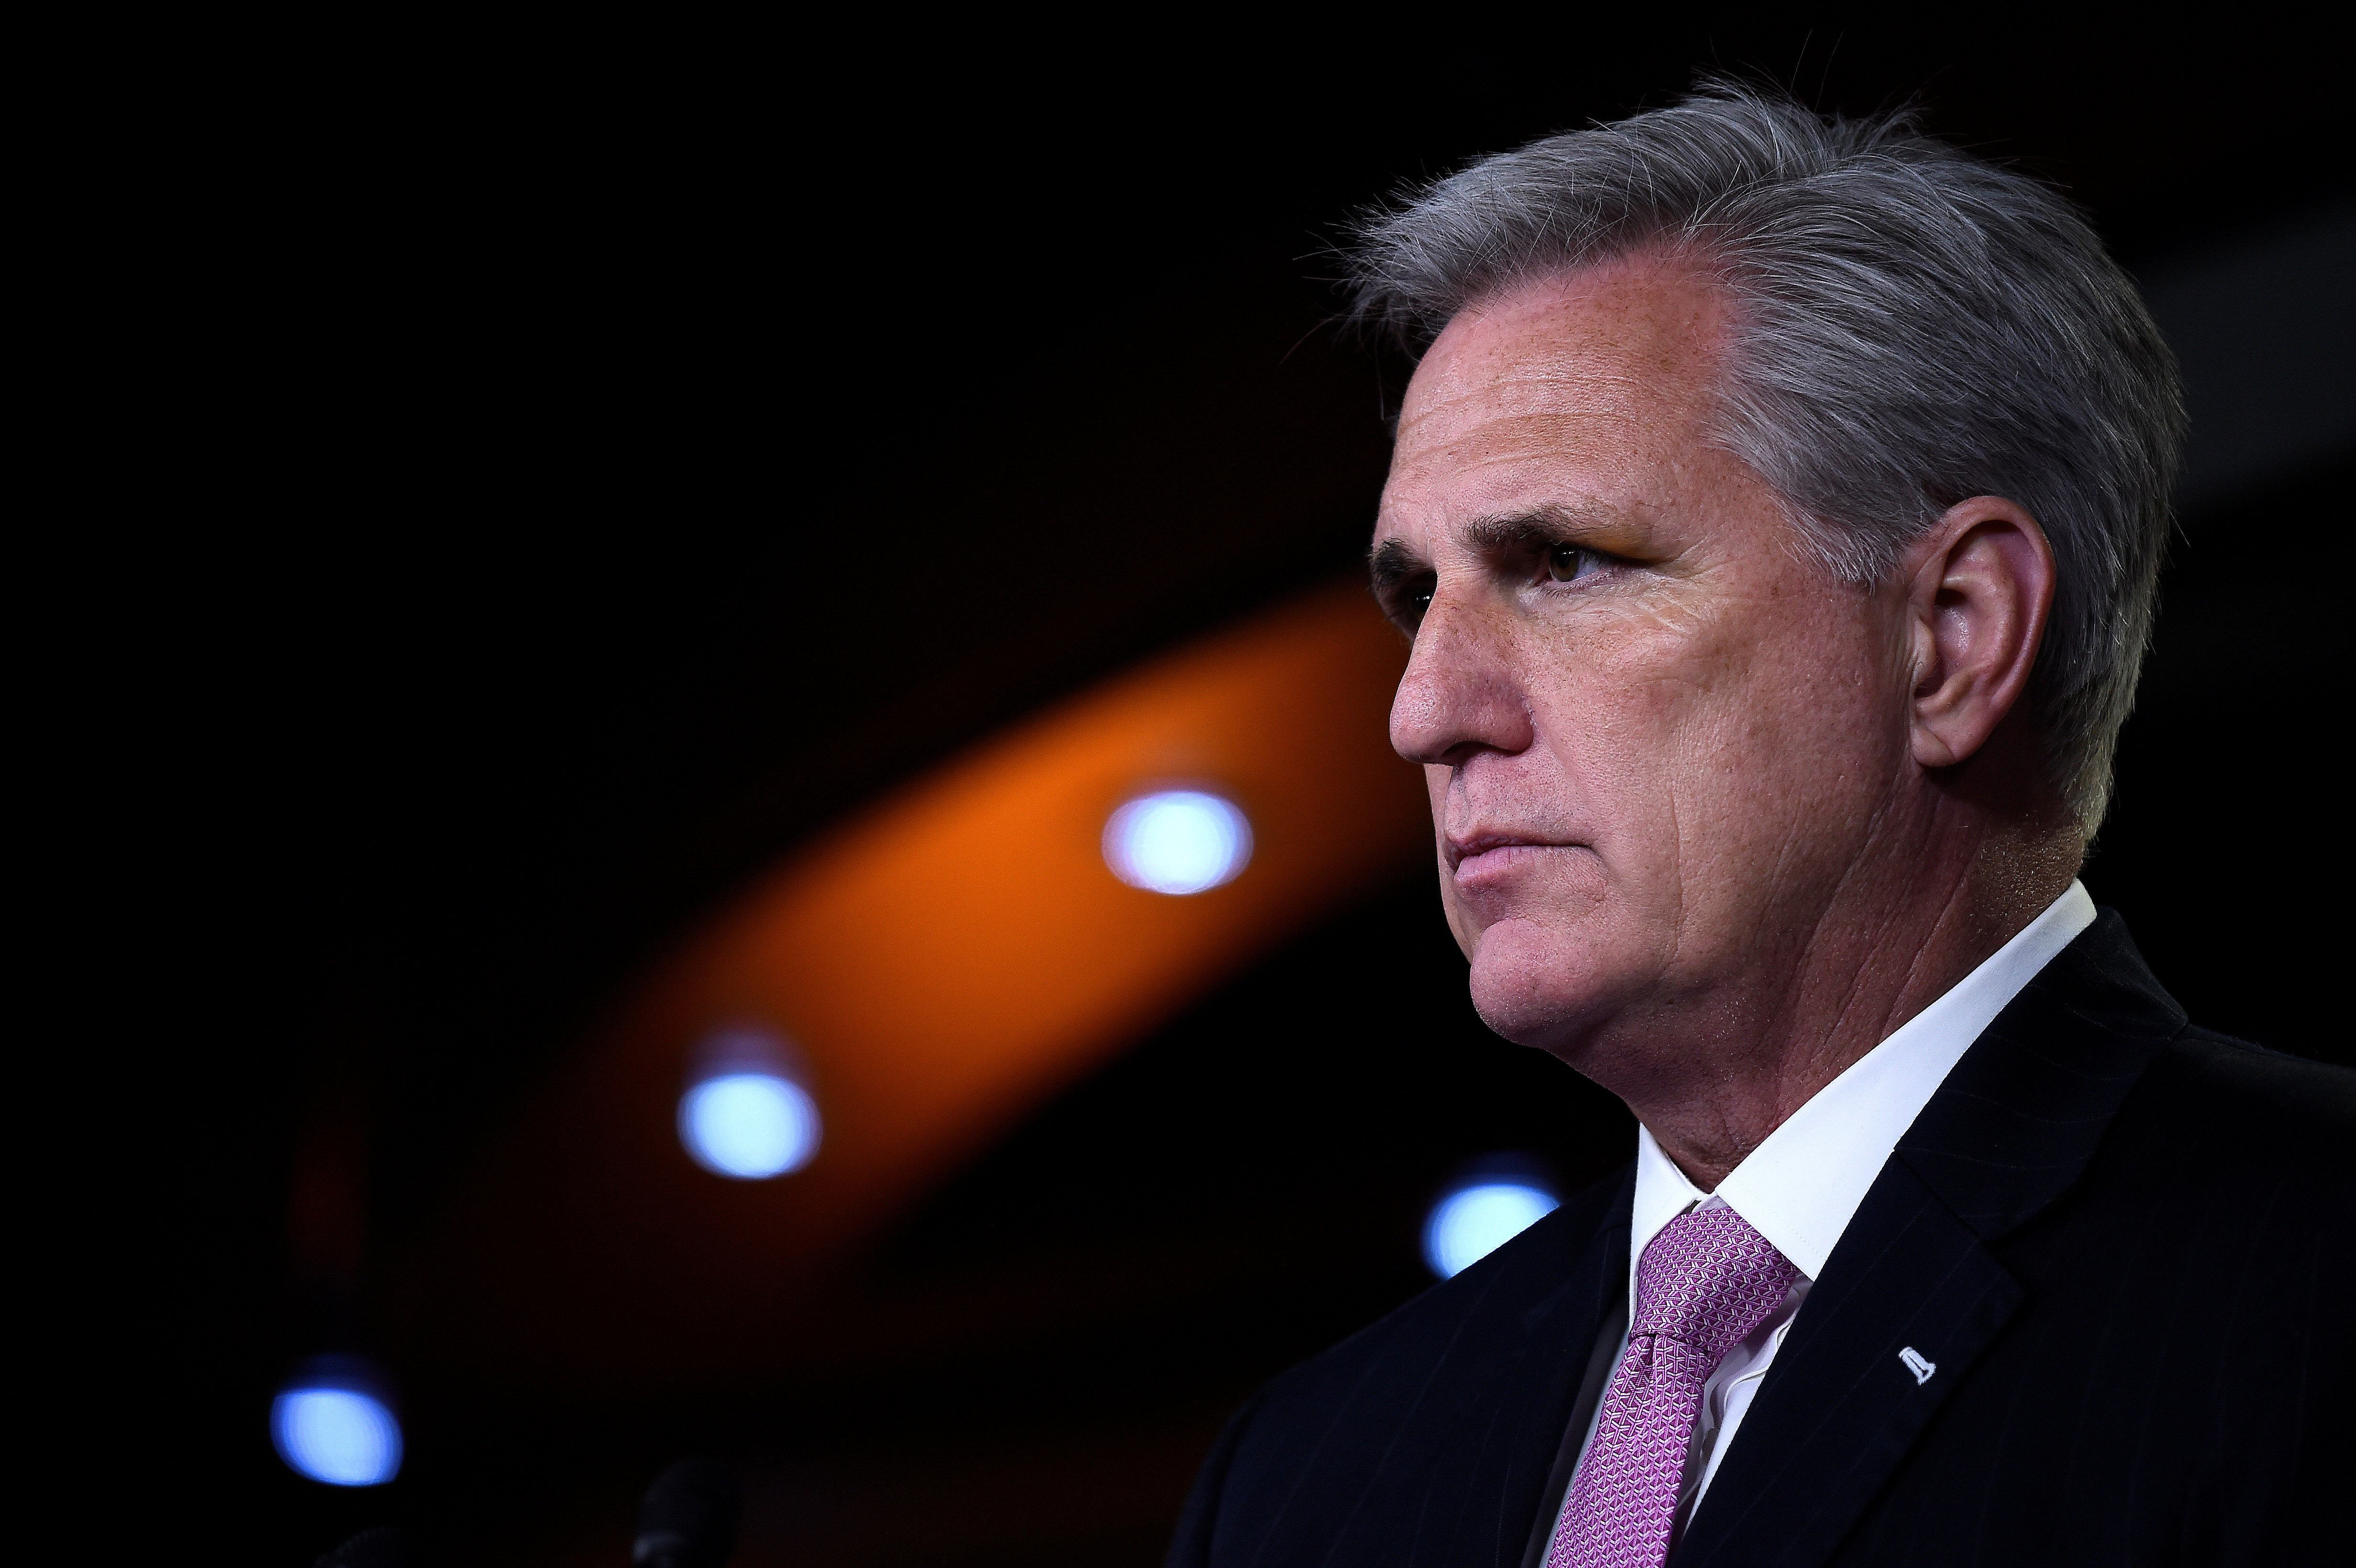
column 944, row 962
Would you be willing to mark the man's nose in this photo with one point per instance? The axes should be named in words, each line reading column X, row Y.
column 1459, row 694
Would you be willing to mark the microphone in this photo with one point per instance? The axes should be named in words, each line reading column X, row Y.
column 688, row 1519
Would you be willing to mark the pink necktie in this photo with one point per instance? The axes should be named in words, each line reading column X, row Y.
column 1703, row 1284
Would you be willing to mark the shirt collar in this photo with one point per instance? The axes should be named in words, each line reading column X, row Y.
column 1800, row 1187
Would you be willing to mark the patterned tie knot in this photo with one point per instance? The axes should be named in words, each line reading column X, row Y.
column 1707, row 1281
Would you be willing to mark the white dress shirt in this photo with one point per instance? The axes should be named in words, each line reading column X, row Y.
column 1800, row 1187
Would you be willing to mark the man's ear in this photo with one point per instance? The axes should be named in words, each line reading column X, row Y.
column 1980, row 588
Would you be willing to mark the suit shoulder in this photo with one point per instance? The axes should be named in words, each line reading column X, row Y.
column 1461, row 1391
column 2255, row 1110
column 1521, row 1280
column 2232, row 1077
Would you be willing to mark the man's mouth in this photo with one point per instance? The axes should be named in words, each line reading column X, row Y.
column 1481, row 856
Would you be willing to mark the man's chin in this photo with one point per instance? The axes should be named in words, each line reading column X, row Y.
column 1539, row 987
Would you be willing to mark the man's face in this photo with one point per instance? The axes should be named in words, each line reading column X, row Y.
column 1655, row 734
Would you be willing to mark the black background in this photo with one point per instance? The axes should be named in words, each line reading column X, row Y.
column 532, row 484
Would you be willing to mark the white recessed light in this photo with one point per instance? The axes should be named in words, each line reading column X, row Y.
column 1177, row 841
column 1470, row 1223
column 341, row 1436
column 749, row 1125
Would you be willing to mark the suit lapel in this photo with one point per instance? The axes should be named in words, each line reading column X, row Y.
column 1434, row 1450
column 1839, row 1407
column 1540, row 1352
column 1912, row 1293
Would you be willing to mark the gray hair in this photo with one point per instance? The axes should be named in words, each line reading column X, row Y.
column 1914, row 328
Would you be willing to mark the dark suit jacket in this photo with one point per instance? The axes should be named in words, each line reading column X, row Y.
column 2124, row 1243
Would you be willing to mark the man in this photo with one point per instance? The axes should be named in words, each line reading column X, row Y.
column 1774, row 513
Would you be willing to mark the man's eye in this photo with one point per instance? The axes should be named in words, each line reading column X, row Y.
column 1567, row 562
column 1407, row 603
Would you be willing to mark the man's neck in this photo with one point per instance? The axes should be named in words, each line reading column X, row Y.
column 1762, row 1055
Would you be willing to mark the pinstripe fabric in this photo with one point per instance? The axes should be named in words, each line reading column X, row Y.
column 2164, row 1402
column 2086, row 1233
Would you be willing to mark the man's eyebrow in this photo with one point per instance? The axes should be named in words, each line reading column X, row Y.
column 1536, row 527
column 1391, row 563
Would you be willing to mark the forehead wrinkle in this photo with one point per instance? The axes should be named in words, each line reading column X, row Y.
column 1504, row 440
column 1511, row 515
column 1641, row 330
column 1521, row 400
